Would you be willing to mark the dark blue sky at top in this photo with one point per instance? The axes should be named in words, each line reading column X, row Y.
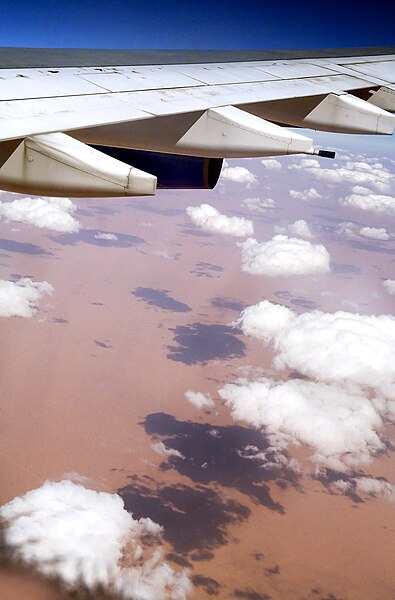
column 202, row 24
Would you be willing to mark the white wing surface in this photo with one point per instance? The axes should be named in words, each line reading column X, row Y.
column 51, row 114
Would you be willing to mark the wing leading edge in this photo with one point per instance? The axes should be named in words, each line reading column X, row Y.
column 50, row 116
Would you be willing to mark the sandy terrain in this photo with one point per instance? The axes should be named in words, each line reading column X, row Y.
column 98, row 375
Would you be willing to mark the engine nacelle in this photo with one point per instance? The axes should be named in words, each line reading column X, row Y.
column 173, row 171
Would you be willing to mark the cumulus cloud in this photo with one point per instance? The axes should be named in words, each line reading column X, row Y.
column 300, row 228
column 389, row 285
column 340, row 427
column 20, row 298
column 379, row 203
column 347, row 228
column 259, row 204
column 283, row 255
column 105, row 236
column 358, row 173
column 238, row 175
column 160, row 448
column 199, row 400
column 308, row 194
column 368, row 486
column 210, row 219
column 338, row 347
column 374, row 233
column 271, row 163
column 163, row 254
column 49, row 213
column 84, row 537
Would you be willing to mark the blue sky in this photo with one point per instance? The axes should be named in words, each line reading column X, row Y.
column 201, row 25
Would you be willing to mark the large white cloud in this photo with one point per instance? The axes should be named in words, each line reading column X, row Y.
column 283, row 255
column 210, row 219
column 84, row 537
column 389, row 285
column 300, row 228
column 49, row 213
column 340, row 427
column 338, row 347
column 374, row 233
column 20, row 298
column 238, row 175
column 366, row 200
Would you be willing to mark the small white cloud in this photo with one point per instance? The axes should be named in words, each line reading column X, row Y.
column 271, row 163
column 20, row 298
column 347, row 228
column 210, row 219
column 199, row 400
column 300, row 228
column 105, row 236
column 379, row 203
column 49, row 213
column 357, row 173
column 283, row 256
column 389, row 285
column 368, row 486
column 163, row 254
column 259, row 204
column 374, row 233
column 308, row 194
column 160, row 448
column 87, row 538
column 239, row 175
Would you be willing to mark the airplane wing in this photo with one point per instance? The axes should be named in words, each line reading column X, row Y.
column 110, row 123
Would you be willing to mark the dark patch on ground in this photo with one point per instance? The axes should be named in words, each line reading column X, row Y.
column 97, row 303
column 23, row 248
column 210, row 585
column 228, row 303
column 220, row 458
column 250, row 594
column 94, row 211
column 178, row 560
column 205, row 269
column 305, row 303
column 103, row 344
column 61, row 321
column 199, row 343
column 315, row 594
column 157, row 210
column 372, row 247
column 341, row 269
column 201, row 555
column 194, row 518
column 273, row 570
column 87, row 236
column 160, row 299
column 196, row 232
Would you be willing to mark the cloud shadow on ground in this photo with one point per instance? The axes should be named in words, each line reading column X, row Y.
column 160, row 299
column 228, row 303
column 218, row 455
column 23, row 248
column 87, row 236
column 200, row 343
column 195, row 519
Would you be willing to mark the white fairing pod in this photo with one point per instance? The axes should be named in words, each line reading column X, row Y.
column 347, row 114
column 230, row 132
column 57, row 165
